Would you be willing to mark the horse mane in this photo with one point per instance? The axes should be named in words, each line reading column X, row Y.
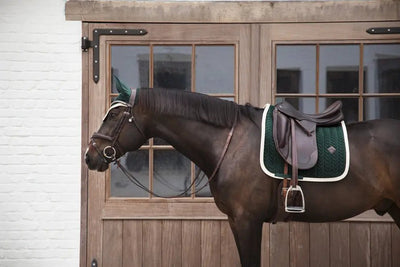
column 189, row 105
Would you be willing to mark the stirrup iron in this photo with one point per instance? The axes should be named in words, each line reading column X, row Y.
column 292, row 207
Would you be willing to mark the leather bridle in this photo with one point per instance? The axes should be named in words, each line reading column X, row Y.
column 109, row 153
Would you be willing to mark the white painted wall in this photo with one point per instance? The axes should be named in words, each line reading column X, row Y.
column 40, row 122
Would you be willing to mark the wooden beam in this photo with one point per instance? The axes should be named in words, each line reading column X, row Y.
column 231, row 12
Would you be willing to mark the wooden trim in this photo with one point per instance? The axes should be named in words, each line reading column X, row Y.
column 163, row 210
column 231, row 12
column 84, row 139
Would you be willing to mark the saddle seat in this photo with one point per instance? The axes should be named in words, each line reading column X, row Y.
column 295, row 140
column 305, row 131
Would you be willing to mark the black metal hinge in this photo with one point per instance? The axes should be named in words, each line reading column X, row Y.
column 86, row 44
column 387, row 30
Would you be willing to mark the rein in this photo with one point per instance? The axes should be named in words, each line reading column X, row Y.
column 135, row 181
column 109, row 153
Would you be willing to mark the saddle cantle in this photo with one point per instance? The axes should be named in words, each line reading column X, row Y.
column 305, row 131
column 294, row 135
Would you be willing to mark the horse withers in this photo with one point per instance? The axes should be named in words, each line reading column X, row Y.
column 198, row 126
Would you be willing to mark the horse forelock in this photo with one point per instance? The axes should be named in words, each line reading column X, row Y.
column 189, row 105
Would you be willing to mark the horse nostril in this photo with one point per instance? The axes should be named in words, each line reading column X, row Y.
column 87, row 159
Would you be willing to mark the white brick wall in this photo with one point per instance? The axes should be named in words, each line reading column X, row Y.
column 40, row 103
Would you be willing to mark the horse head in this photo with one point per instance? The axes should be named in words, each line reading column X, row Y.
column 119, row 132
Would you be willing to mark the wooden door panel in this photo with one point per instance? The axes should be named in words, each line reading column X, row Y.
column 319, row 244
column 132, row 243
column 191, row 243
column 171, row 251
column 112, row 240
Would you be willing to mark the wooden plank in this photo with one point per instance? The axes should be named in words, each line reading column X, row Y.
column 96, row 184
column 162, row 210
column 229, row 252
column 210, row 243
column 319, row 244
column 171, row 252
column 381, row 247
column 254, row 89
column 265, row 248
column 339, row 244
column 191, row 243
column 231, row 11
column 84, row 138
column 244, row 68
column 299, row 244
column 312, row 32
column 152, row 236
column 279, row 243
column 267, row 79
column 132, row 243
column 395, row 246
column 360, row 240
column 112, row 244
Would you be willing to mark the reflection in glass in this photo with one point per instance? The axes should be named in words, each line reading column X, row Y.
column 304, row 104
column 381, row 108
column 215, row 69
column 131, row 65
column 202, row 181
column 338, row 68
column 137, row 163
column 295, row 68
column 171, row 173
column 382, row 66
column 172, row 67
column 349, row 108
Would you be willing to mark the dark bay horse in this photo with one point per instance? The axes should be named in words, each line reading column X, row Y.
column 198, row 126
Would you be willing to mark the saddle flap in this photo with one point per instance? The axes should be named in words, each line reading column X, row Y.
column 306, row 143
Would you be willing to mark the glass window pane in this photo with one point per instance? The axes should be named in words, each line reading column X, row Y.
column 215, row 69
column 381, row 108
column 202, row 181
column 295, row 68
column 338, row 68
column 382, row 68
column 171, row 173
column 304, row 104
column 136, row 163
column 173, row 67
column 350, row 107
column 131, row 65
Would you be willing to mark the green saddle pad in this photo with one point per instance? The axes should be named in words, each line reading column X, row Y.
column 330, row 167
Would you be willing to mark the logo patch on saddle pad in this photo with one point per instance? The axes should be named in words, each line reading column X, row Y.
column 333, row 153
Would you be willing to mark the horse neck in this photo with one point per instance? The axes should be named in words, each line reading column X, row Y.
column 201, row 142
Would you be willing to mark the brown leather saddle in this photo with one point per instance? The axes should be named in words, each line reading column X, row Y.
column 294, row 136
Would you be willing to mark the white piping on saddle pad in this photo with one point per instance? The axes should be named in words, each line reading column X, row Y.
column 306, row 179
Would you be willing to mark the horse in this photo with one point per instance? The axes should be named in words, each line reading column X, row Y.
column 223, row 139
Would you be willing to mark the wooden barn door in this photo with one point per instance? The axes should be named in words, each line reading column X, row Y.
column 311, row 65
column 129, row 227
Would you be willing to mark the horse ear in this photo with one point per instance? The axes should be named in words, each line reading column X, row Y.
column 123, row 90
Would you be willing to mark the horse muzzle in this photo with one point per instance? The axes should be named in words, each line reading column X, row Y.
column 94, row 161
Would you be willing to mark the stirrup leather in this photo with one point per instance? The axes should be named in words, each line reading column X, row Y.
column 292, row 207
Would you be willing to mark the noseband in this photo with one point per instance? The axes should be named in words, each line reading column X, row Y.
column 109, row 153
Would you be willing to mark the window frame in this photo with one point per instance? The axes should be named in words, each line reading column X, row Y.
column 151, row 147
column 361, row 95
